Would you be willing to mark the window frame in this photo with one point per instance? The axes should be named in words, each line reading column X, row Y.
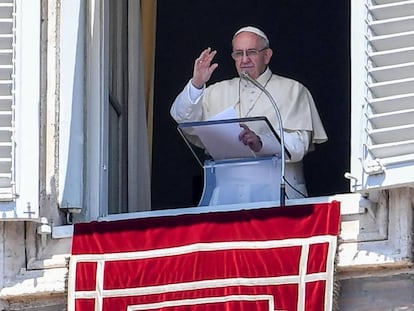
column 97, row 112
column 357, row 90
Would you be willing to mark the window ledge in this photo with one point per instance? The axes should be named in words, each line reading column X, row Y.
column 62, row 232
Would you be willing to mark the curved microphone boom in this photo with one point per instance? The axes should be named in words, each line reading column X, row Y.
column 246, row 76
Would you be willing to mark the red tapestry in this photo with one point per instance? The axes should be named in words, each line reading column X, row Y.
column 256, row 259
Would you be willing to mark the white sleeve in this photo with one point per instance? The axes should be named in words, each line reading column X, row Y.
column 296, row 142
column 187, row 105
column 194, row 93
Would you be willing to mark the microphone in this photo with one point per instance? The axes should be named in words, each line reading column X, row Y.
column 246, row 76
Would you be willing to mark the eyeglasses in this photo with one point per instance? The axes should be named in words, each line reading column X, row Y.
column 249, row 53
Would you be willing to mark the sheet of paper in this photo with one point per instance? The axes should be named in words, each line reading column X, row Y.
column 222, row 140
column 229, row 113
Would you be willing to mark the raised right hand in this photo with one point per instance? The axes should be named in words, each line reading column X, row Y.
column 203, row 68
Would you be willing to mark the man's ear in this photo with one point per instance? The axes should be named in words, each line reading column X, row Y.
column 268, row 55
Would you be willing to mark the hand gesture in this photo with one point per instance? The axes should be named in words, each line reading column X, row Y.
column 203, row 68
column 249, row 138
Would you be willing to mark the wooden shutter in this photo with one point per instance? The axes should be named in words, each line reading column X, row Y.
column 19, row 109
column 387, row 120
column 7, row 43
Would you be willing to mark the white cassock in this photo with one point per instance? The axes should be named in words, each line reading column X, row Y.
column 301, row 122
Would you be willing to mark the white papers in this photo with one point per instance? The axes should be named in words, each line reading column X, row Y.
column 226, row 114
column 222, row 140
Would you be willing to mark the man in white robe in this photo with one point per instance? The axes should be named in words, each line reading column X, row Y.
column 252, row 54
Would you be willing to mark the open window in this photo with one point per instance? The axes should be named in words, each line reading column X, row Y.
column 117, row 152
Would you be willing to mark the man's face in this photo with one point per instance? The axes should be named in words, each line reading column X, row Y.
column 250, row 54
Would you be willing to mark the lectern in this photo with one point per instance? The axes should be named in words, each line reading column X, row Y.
column 233, row 173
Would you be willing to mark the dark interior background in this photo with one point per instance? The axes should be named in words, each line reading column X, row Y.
column 310, row 40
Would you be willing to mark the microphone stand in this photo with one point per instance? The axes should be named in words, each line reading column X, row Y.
column 246, row 76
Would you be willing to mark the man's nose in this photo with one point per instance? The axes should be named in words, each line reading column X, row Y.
column 245, row 58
